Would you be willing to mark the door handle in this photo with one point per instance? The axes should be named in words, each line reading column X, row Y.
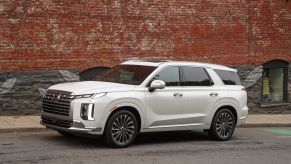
column 213, row 94
column 178, row 95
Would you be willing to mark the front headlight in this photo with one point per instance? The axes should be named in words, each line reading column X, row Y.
column 82, row 96
column 98, row 95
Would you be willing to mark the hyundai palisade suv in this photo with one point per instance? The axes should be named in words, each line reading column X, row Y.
column 148, row 96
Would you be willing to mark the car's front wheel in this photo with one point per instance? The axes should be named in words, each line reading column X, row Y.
column 121, row 129
column 223, row 125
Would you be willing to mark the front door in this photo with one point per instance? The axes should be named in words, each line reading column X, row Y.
column 164, row 107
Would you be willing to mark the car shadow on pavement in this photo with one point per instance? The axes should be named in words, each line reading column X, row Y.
column 75, row 141
column 141, row 139
column 170, row 137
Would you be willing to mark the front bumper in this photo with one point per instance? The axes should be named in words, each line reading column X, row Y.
column 67, row 125
column 62, row 113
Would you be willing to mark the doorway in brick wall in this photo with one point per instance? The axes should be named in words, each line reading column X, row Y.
column 275, row 83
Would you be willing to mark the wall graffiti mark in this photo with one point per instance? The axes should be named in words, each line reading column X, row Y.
column 69, row 76
column 7, row 85
column 42, row 91
column 253, row 77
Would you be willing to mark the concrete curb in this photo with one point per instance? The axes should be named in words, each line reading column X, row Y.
column 43, row 129
column 13, row 124
column 253, row 125
column 16, row 130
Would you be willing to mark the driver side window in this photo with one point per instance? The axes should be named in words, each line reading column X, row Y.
column 170, row 75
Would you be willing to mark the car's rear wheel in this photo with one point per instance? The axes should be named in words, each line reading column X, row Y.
column 121, row 129
column 223, row 125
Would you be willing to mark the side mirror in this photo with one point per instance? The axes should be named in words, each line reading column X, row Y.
column 157, row 84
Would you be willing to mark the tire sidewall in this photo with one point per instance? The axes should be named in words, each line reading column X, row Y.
column 108, row 136
column 213, row 131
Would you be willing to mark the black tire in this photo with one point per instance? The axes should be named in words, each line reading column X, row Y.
column 223, row 125
column 121, row 129
column 65, row 134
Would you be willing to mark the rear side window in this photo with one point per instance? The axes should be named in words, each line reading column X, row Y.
column 195, row 76
column 228, row 77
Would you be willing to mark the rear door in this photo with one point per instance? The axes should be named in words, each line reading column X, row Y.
column 199, row 93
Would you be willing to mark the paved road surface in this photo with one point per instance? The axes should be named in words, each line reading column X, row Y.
column 249, row 145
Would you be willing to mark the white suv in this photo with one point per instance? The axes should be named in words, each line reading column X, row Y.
column 147, row 96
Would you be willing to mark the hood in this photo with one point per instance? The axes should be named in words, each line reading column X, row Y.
column 88, row 87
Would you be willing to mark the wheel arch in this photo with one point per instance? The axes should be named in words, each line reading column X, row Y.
column 231, row 108
column 128, row 107
column 230, row 104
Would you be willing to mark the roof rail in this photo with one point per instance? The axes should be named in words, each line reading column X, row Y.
column 151, row 60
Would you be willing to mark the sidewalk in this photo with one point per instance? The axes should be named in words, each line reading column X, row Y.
column 20, row 124
column 31, row 123
column 268, row 120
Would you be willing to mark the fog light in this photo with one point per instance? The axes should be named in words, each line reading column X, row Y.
column 87, row 112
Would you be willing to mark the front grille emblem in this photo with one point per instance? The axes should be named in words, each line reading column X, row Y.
column 57, row 103
column 57, row 98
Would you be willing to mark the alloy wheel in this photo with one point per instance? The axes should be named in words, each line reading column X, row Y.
column 224, row 125
column 123, row 129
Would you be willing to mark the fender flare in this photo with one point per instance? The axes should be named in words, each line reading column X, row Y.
column 114, row 106
column 225, row 102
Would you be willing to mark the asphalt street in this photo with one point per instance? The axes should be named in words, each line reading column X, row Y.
column 249, row 145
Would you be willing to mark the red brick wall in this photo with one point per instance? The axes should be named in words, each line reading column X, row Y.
column 59, row 34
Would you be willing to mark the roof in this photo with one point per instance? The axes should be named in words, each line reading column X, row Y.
column 157, row 63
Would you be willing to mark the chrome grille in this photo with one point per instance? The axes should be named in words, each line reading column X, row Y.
column 57, row 102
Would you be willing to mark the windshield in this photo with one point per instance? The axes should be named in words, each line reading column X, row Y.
column 127, row 74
